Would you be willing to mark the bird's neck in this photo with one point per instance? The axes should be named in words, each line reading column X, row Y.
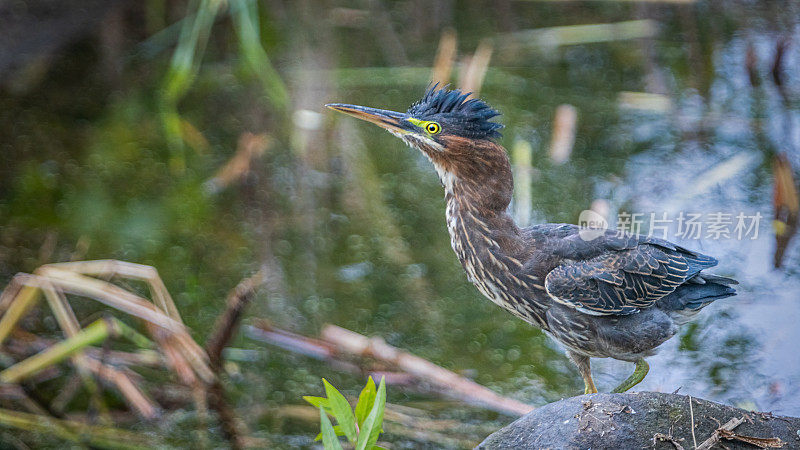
column 485, row 238
column 478, row 186
column 478, row 222
column 477, row 173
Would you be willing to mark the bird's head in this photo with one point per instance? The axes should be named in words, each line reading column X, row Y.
column 451, row 129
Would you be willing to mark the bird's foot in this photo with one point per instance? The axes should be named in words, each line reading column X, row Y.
column 636, row 377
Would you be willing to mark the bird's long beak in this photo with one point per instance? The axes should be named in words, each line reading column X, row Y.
column 390, row 120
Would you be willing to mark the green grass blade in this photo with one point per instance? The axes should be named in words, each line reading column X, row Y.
column 92, row 334
column 341, row 411
column 245, row 20
column 329, row 439
column 191, row 45
column 371, row 430
column 181, row 73
column 365, row 401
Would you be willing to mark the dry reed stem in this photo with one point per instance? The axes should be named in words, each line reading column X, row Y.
column 106, row 293
column 522, row 157
column 249, row 148
column 785, row 195
column 336, row 343
column 551, row 37
column 112, row 267
column 25, row 297
column 91, row 361
column 92, row 334
column 66, row 319
column 358, row 344
column 134, row 396
column 564, row 125
column 144, row 358
column 162, row 319
column 174, row 357
column 445, row 57
column 10, row 293
column 786, row 205
column 185, row 348
column 475, row 70
column 314, row 348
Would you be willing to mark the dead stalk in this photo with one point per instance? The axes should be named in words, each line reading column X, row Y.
column 354, row 343
column 445, row 57
column 475, row 70
column 224, row 330
column 161, row 319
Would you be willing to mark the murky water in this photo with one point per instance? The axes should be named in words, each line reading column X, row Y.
column 352, row 221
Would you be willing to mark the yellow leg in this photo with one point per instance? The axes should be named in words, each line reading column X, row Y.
column 589, row 383
column 636, row 377
column 585, row 369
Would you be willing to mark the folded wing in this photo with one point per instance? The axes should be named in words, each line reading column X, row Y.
column 621, row 278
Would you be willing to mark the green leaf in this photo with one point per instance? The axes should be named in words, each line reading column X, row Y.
column 319, row 402
column 341, row 411
column 365, row 401
column 329, row 439
column 371, row 430
column 336, row 428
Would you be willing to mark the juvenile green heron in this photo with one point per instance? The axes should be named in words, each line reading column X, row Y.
column 618, row 295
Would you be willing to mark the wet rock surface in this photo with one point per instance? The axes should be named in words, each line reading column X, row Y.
column 644, row 420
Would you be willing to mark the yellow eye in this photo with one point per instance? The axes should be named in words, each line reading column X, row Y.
column 433, row 128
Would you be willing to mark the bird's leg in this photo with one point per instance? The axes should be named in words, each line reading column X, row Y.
column 584, row 368
column 636, row 377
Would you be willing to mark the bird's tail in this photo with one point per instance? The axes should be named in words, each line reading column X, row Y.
column 695, row 294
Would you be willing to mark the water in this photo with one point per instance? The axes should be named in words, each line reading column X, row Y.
column 352, row 221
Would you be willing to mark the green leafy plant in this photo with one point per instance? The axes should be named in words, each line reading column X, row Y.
column 362, row 427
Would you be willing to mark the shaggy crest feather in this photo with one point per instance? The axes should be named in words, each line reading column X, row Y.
column 470, row 117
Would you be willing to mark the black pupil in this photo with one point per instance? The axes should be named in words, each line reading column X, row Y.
column 432, row 128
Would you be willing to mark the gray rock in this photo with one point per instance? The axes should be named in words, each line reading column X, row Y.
column 632, row 420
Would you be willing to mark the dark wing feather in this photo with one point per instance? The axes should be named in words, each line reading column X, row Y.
column 620, row 274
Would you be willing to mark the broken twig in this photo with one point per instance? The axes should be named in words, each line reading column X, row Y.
column 661, row 437
column 726, row 432
column 354, row 343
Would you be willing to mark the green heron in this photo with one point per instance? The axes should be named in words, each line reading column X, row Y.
column 616, row 295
